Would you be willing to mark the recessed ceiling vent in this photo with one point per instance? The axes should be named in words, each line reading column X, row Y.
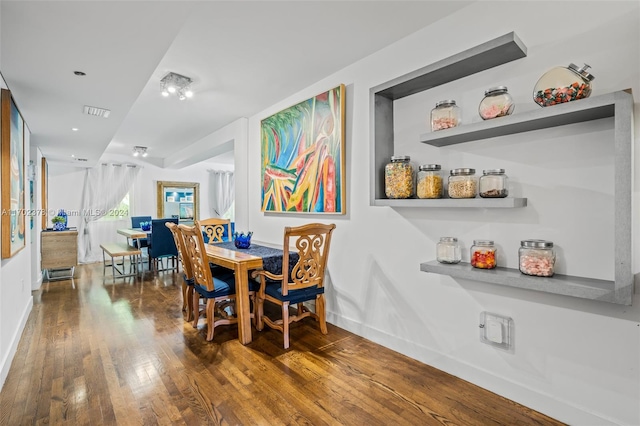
column 82, row 159
column 98, row 112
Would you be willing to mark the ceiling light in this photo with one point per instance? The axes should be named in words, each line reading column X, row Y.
column 75, row 129
column 176, row 83
column 140, row 150
column 98, row 112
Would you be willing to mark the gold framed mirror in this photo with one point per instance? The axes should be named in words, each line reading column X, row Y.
column 178, row 199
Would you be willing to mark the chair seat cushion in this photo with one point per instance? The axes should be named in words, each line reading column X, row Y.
column 294, row 296
column 189, row 281
column 222, row 288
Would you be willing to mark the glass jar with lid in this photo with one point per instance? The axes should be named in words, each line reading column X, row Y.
column 398, row 177
column 497, row 102
column 429, row 181
column 483, row 254
column 563, row 84
column 537, row 258
column 493, row 184
column 448, row 250
column 445, row 115
column 462, row 183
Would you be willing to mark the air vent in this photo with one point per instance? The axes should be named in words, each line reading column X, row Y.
column 82, row 159
column 98, row 112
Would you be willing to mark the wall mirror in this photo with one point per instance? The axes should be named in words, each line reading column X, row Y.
column 179, row 200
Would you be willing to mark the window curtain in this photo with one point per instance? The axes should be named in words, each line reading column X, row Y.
column 104, row 187
column 222, row 190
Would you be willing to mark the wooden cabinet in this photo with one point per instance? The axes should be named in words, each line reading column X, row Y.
column 59, row 250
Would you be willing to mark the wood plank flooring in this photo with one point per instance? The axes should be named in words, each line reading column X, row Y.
column 118, row 352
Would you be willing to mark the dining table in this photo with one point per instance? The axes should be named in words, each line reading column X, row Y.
column 242, row 261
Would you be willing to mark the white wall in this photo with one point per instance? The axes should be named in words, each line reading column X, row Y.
column 66, row 184
column 574, row 359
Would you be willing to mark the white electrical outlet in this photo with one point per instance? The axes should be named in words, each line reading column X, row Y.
column 496, row 330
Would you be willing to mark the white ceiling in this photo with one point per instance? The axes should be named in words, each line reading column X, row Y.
column 242, row 56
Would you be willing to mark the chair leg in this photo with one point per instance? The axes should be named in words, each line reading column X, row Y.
column 285, row 324
column 211, row 305
column 189, row 298
column 196, row 308
column 185, row 302
column 259, row 312
column 321, row 313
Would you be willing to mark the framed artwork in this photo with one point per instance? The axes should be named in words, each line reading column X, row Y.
column 44, row 176
column 12, row 182
column 189, row 198
column 186, row 211
column 303, row 156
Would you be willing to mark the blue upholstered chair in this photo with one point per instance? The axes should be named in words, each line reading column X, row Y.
column 215, row 289
column 305, row 282
column 161, row 243
column 135, row 223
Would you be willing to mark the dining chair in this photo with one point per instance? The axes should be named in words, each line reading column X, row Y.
column 187, row 271
column 135, row 223
column 302, row 282
column 216, row 230
column 215, row 289
column 161, row 243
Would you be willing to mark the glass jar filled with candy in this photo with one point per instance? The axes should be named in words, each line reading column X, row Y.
column 497, row 102
column 493, row 184
column 429, row 181
column 448, row 250
column 563, row 84
column 445, row 115
column 537, row 257
column 398, row 177
column 483, row 254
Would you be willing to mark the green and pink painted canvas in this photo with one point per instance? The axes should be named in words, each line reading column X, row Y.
column 303, row 168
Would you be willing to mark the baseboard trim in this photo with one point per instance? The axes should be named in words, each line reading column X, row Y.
column 548, row 404
column 35, row 285
column 13, row 347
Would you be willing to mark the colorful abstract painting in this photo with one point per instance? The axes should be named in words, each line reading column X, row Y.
column 13, row 192
column 303, row 169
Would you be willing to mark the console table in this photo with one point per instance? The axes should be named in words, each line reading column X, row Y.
column 59, row 252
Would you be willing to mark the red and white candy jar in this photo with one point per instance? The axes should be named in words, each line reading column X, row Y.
column 537, row 258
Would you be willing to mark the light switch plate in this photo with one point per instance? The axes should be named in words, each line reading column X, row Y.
column 496, row 330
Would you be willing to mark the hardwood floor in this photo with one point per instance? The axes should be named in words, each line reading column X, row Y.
column 106, row 353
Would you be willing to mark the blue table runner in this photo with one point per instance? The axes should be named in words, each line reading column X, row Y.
column 271, row 257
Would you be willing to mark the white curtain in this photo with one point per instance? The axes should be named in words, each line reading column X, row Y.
column 223, row 191
column 104, row 187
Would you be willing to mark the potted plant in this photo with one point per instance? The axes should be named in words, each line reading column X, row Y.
column 59, row 223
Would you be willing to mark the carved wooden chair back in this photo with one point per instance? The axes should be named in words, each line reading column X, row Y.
column 195, row 249
column 312, row 243
column 215, row 229
column 179, row 240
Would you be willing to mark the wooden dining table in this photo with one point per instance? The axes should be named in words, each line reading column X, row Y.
column 240, row 262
